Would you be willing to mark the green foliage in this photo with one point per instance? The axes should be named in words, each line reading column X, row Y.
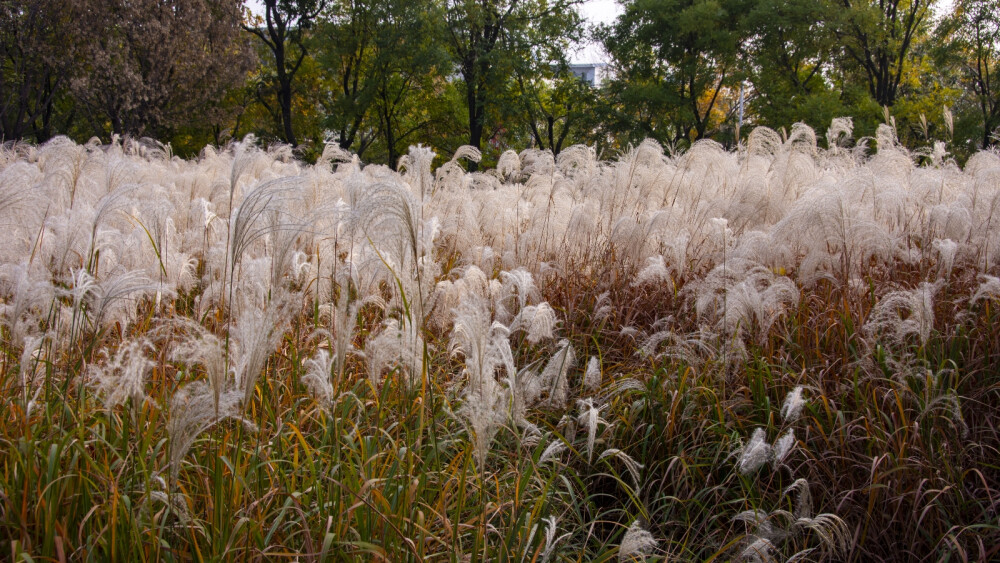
column 283, row 30
column 971, row 39
column 557, row 104
column 378, row 60
column 35, row 67
column 676, row 60
column 877, row 39
column 793, row 50
column 491, row 41
column 378, row 77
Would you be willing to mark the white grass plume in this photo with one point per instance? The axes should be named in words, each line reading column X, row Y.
column 690, row 349
column 839, row 132
column 590, row 418
column 249, row 222
column 755, row 453
column 484, row 411
column 319, row 370
column 24, row 299
column 551, row 540
column 633, row 467
column 782, row 447
column 486, row 351
column 947, row 249
column 554, row 376
column 253, row 338
column 538, row 321
column 791, row 408
column 509, row 166
column 482, row 342
column 989, row 288
column 744, row 297
column 194, row 409
column 397, row 345
column 344, row 321
column 832, row 531
column 592, row 375
column 123, row 375
column 416, row 169
column 552, row 451
column 759, row 550
column 768, row 531
column 520, row 283
column 112, row 300
column 636, row 544
column 904, row 313
column 201, row 347
column 655, row 273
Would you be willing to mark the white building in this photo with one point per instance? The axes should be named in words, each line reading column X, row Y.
column 591, row 73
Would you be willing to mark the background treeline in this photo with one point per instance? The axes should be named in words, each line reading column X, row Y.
column 376, row 76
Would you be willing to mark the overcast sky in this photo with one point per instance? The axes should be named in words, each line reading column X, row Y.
column 601, row 11
column 596, row 11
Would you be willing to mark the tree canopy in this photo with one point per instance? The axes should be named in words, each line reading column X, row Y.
column 375, row 76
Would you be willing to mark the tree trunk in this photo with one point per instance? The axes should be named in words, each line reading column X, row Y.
column 284, row 93
column 477, row 112
column 285, row 101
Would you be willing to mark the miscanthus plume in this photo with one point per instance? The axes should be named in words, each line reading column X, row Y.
column 636, row 544
column 123, row 374
column 117, row 254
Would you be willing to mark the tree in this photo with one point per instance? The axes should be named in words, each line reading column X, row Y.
column 284, row 27
column 344, row 38
column 38, row 46
column 792, row 50
column 877, row 35
column 488, row 39
column 155, row 64
column 674, row 61
column 972, row 36
column 377, row 55
column 556, row 103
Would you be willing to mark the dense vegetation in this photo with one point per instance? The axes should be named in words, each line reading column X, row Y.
column 773, row 352
column 376, row 76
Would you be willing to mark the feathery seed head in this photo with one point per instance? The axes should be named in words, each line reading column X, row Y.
column 590, row 418
column 783, row 446
column 124, row 375
column 791, row 408
column 755, row 454
column 319, row 370
column 636, row 544
column 592, row 375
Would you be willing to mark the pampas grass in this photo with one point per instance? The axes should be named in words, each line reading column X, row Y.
column 785, row 351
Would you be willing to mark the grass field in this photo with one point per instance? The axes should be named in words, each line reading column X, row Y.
column 785, row 352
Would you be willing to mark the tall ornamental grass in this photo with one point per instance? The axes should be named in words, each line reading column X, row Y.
column 784, row 352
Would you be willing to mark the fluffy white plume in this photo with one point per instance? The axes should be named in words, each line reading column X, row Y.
column 782, row 447
column 755, row 453
column 538, row 321
column 123, row 375
column 791, row 408
column 319, row 370
column 900, row 314
column 590, row 418
column 636, row 544
column 194, row 409
column 592, row 375
column 554, row 376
